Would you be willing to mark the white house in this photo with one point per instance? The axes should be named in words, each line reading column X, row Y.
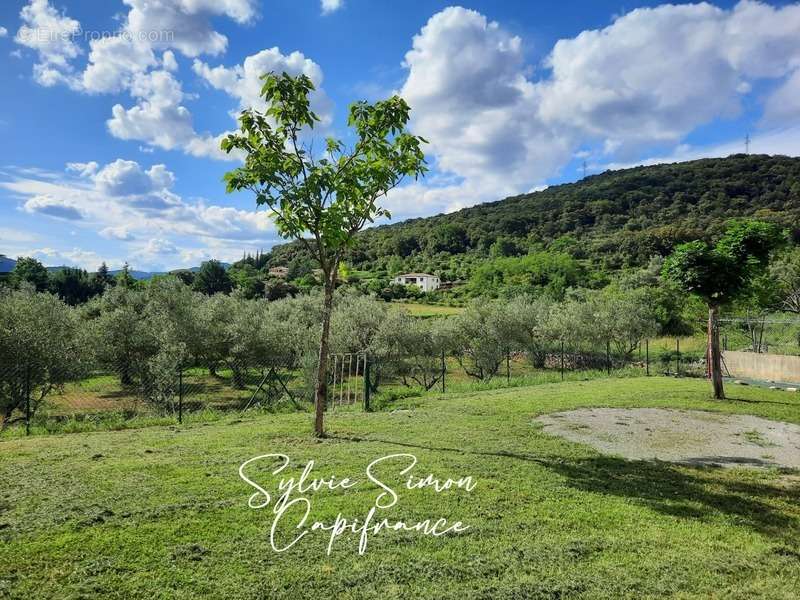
column 425, row 281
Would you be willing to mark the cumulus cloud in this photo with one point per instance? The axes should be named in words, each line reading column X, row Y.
column 655, row 75
column 640, row 85
column 159, row 117
column 471, row 99
column 3, row 32
column 127, row 177
column 50, row 34
column 184, row 24
column 329, row 6
column 53, row 207
column 130, row 61
column 243, row 82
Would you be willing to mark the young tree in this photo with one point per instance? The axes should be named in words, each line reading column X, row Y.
column 719, row 273
column 329, row 197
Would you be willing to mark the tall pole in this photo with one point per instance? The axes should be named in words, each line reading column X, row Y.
column 180, row 395
column 27, row 399
column 647, row 356
column 444, row 371
column 562, row 360
column 366, row 383
column 608, row 356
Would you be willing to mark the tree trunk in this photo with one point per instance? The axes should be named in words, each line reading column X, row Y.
column 321, row 385
column 714, row 353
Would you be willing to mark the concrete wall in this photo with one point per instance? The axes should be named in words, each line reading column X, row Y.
column 769, row 367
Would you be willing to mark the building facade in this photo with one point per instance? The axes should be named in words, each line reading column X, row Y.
column 424, row 281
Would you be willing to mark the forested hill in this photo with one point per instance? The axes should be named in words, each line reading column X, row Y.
column 616, row 219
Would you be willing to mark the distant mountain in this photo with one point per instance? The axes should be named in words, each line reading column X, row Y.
column 6, row 264
column 613, row 220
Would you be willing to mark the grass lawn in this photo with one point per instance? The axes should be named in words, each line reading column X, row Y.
column 429, row 310
column 162, row 513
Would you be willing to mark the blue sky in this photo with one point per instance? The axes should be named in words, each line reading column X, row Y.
column 112, row 112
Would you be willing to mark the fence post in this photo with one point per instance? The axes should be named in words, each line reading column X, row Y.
column 508, row 367
column 444, row 371
column 180, row 395
column 562, row 360
column 678, row 357
column 27, row 399
column 608, row 356
column 647, row 356
column 366, row 383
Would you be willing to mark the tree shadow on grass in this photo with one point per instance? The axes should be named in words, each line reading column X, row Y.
column 688, row 492
column 704, row 494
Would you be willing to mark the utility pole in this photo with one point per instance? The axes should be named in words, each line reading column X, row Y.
column 584, row 168
column 747, row 144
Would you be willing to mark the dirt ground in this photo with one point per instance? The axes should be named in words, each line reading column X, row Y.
column 691, row 437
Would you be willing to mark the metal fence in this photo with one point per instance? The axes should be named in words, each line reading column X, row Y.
column 760, row 334
column 35, row 400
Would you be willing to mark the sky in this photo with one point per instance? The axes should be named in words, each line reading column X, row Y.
column 111, row 112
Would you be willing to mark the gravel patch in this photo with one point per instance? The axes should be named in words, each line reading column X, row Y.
column 682, row 436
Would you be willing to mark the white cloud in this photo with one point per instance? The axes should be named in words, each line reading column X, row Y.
column 329, row 6
column 655, row 75
column 639, row 85
column 114, row 62
column 160, row 119
column 471, row 99
column 134, row 205
column 783, row 106
column 83, row 169
column 781, row 141
column 3, row 32
column 126, row 178
column 244, row 83
column 184, row 24
column 53, row 207
column 121, row 233
column 51, row 34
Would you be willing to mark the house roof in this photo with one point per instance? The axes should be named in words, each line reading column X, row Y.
column 415, row 275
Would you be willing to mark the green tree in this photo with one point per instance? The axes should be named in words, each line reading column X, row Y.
column 212, row 278
column 718, row 274
column 124, row 278
column 330, row 198
column 103, row 278
column 73, row 286
column 31, row 271
column 40, row 350
column 785, row 271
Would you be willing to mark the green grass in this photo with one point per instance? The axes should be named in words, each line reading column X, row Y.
column 429, row 310
column 161, row 512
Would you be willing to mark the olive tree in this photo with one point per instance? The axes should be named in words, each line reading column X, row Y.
column 322, row 199
column 41, row 348
column 718, row 274
column 482, row 338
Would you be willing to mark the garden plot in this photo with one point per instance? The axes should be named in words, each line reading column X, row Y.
column 684, row 436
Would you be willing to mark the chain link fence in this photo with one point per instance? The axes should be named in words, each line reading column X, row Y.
column 38, row 401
